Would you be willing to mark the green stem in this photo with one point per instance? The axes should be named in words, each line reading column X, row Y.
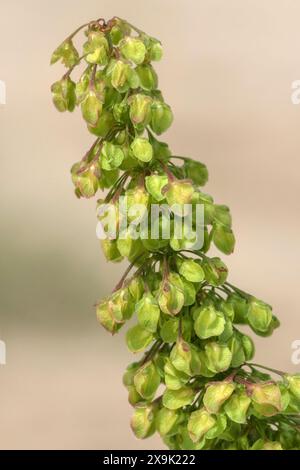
column 239, row 291
column 119, row 190
column 152, row 351
column 197, row 253
column 68, row 72
column 137, row 30
column 77, row 31
column 270, row 369
column 179, row 158
column 143, row 266
column 165, row 268
column 121, row 282
column 93, row 76
column 115, row 187
column 169, row 173
column 180, row 328
column 223, row 289
column 87, row 155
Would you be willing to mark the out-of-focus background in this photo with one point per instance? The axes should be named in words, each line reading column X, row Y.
column 227, row 73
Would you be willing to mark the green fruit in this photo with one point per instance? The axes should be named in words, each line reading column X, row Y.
column 142, row 149
column 237, row 406
column 189, row 292
column 222, row 216
column 106, row 318
column 240, row 308
column 196, row 171
column 87, row 183
column 104, row 124
column 223, row 238
column 143, row 422
column 155, row 185
column 237, row 351
column 266, row 399
column 147, row 76
column 111, row 156
column 269, row 445
column 133, row 49
column 181, row 356
column 161, row 117
column 128, row 377
column 248, row 346
column 128, row 246
column 175, row 399
column 118, row 31
column 294, row 384
column 217, row 357
column 123, row 77
column 166, row 421
column 110, row 250
column 140, row 109
column 259, row 316
column 192, row 271
column 136, row 288
column 209, row 209
column 215, row 270
column 174, row 379
column 96, row 48
column 155, row 50
column 200, row 422
column 147, row 380
column 178, row 193
column 91, row 108
column 170, row 298
column 63, row 95
column 216, row 394
column 138, row 338
column 208, row 322
column 148, row 312
column 169, row 330
column 67, row 53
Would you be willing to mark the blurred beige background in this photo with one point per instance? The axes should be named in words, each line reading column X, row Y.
column 227, row 72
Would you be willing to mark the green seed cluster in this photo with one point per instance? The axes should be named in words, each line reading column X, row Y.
column 194, row 384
